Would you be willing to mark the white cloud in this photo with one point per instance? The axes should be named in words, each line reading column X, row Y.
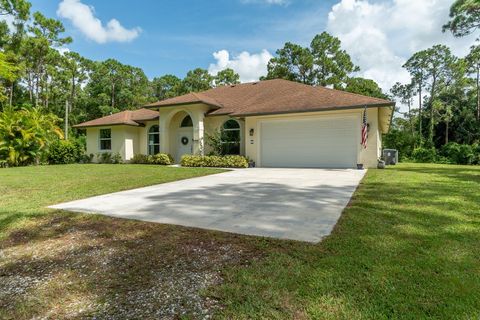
column 250, row 66
column 381, row 36
column 82, row 17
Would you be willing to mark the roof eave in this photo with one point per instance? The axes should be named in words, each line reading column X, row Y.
column 106, row 125
column 377, row 105
column 181, row 104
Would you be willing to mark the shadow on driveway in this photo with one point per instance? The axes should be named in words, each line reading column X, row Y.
column 300, row 207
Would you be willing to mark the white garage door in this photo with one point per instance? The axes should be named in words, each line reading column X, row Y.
column 327, row 142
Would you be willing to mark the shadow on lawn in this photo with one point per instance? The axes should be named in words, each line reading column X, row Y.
column 401, row 249
column 404, row 248
column 71, row 265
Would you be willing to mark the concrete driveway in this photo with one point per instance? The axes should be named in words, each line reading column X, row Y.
column 298, row 204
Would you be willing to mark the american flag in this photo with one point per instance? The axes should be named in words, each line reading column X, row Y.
column 364, row 129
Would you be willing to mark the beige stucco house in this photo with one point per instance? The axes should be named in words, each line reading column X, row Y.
column 276, row 123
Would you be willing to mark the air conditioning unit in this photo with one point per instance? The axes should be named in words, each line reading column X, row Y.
column 390, row 156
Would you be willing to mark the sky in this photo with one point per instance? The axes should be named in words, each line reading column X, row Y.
column 174, row 36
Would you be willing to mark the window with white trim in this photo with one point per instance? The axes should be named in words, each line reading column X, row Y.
column 154, row 140
column 231, row 137
column 105, row 139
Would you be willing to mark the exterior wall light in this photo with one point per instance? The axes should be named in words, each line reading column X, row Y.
column 252, row 131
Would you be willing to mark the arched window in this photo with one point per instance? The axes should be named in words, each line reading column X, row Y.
column 231, row 137
column 186, row 122
column 153, row 140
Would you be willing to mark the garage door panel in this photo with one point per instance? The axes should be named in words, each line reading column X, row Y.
column 327, row 142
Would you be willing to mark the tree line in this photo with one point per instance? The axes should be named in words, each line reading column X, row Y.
column 442, row 97
column 35, row 71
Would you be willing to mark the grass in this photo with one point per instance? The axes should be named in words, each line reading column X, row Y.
column 26, row 191
column 407, row 247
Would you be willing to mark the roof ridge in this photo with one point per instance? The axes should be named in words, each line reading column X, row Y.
column 353, row 93
column 211, row 98
column 126, row 115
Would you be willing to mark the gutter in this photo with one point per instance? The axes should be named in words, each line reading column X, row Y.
column 379, row 105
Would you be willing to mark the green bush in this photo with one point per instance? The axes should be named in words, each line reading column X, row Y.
column 87, row 158
column 424, row 155
column 139, row 159
column 458, row 153
column 476, row 153
column 26, row 135
column 116, row 158
column 109, row 158
column 159, row 158
column 64, row 152
column 214, row 161
column 104, row 157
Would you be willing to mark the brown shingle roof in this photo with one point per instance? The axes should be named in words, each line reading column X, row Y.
column 273, row 96
column 128, row 117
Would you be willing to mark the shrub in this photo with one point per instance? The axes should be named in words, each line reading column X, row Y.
column 458, row 153
column 116, row 158
column 161, row 158
column 87, row 158
column 105, row 157
column 424, row 154
column 476, row 153
column 26, row 134
column 214, row 161
column 139, row 159
column 64, row 152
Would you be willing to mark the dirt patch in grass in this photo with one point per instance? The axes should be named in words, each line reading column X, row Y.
column 77, row 266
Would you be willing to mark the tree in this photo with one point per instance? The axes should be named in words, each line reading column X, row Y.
column 405, row 93
column 197, row 80
column 464, row 17
column 473, row 63
column 114, row 87
column 9, row 72
column 416, row 66
column 292, row 63
column 366, row 87
column 226, row 77
column 430, row 69
column 75, row 70
column 39, row 53
column 19, row 9
column 399, row 137
column 324, row 63
column 26, row 134
column 166, row 86
column 332, row 64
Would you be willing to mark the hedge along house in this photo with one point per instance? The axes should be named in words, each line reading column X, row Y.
column 276, row 123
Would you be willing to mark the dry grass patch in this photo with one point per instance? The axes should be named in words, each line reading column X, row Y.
column 76, row 266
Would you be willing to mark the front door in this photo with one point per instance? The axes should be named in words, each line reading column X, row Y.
column 184, row 143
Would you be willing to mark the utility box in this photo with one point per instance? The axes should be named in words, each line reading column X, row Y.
column 390, row 156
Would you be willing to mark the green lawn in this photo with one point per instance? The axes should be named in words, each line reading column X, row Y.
column 26, row 191
column 407, row 246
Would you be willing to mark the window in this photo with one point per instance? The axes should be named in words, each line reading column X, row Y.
column 153, row 140
column 186, row 122
column 105, row 139
column 231, row 137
